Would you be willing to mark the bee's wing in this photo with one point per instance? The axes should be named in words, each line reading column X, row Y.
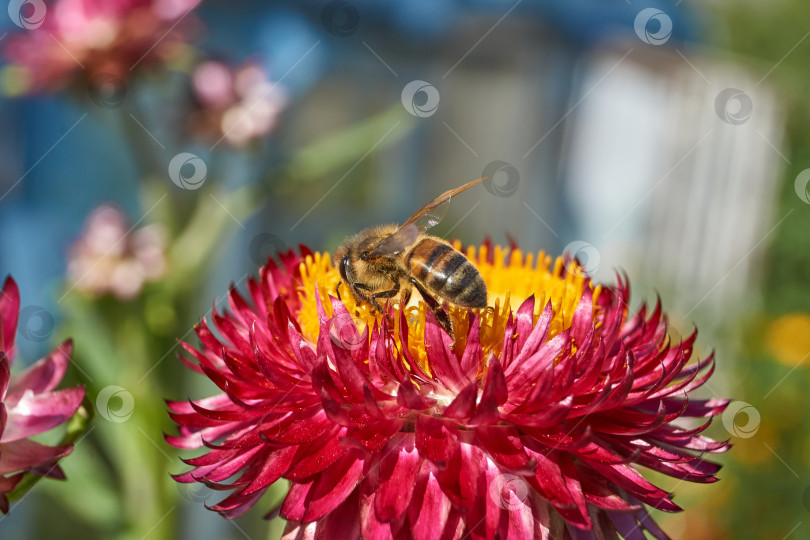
column 432, row 213
column 425, row 218
column 403, row 238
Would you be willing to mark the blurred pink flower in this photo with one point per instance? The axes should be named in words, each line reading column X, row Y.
column 235, row 104
column 29, row 405
column 111, row 258
column 102, row 38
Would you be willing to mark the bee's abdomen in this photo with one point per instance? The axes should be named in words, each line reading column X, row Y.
column 447, row 273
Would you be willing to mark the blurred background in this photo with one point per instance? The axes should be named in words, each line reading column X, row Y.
column 156, row 151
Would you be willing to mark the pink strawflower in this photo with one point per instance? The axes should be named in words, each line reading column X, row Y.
column 534, row 423
column 29, row 404
column 112, row 258
column 237, row 104
column 97, row 40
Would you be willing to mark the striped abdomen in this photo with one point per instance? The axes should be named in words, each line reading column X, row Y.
column 447, row 273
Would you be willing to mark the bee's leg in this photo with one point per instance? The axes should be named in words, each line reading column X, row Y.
column 337, row 290
column 406, row 297
column 390, row 293
column 435, row 307
column 360, row 291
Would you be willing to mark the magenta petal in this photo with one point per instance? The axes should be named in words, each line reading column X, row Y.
column 3, row 417
column 524, row 321
column 226, row 469
column 235, row 505
column 521, row 521
column 629, row 479
column 342, row 521
column 495, row 386
column 582, row 321
column 493, row 510
column 533, row 343
column 495, row 393
column 408, row 396
column 503, row 443
column 436, row 439
column 295, row 530
column 454, row 528
column 5, row 374
column 295, row 503
column 398, row 467
column 37, row 413
column 471, row 357
column 7, row 483
column 372, row 435
column 372, row 528
column 274, row 466
column 429, row 508
column 43, row 376
column 24, row 454
column 9, row 311
column 372, row 407
column 314, row 457
column 350, row 376
column 472, row 482
column 464, row 403
column 443, row 362
column 627, row 526
column 333, row 486
column 553, row 481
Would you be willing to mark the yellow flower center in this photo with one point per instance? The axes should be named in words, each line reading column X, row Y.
column 511, row 277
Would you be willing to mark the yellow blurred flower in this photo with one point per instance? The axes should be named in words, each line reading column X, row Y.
column 752, row 451
column 788, row 338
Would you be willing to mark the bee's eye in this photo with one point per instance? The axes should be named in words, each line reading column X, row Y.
column 364, row 255
column 344, row 268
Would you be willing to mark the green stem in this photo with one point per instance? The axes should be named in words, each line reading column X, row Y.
column 342, row 149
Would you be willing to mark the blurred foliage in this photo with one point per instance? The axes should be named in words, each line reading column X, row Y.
column 765, row 489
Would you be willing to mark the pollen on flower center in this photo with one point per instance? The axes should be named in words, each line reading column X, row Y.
column 511, row 277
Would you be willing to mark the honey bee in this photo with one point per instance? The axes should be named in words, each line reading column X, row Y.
column 387, row 262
